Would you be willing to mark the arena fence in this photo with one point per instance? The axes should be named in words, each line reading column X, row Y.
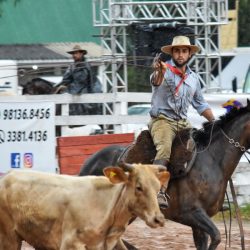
column 73, row 151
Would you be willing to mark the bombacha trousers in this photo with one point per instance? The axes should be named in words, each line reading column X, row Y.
column 163, row 131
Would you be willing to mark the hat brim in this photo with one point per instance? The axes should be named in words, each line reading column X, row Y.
column 168, row 49
column 80, row 50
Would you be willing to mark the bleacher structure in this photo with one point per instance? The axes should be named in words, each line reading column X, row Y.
column 205, row 16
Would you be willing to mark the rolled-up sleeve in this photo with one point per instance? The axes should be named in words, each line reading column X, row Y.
column 199, row 102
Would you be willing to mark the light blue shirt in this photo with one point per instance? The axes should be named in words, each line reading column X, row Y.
column 165, row 102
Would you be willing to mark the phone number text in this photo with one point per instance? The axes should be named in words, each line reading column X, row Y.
column 26, row 114
column 24, row 136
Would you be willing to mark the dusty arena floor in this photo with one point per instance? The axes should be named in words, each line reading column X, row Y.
column 175, row 236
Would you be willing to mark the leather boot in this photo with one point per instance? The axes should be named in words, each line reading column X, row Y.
column 162, row 196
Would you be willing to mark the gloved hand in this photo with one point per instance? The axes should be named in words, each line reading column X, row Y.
column 159, row 70
column 157, row 62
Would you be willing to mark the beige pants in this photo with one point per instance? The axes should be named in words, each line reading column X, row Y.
column 163, row 131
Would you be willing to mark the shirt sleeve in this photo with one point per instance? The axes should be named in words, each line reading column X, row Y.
column 198, row 101
column 68, row 77
column 90, row 79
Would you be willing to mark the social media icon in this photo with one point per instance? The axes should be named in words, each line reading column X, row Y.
column 15, row 159
column 28, row 160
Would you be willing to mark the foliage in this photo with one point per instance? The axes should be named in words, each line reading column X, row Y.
column 138, row 78
column 244, row 20
column 244, row 212
column 139, row 66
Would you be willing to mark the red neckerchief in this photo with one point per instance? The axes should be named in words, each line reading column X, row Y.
column 180, row 74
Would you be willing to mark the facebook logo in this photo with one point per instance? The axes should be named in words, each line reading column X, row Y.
column 15, row 160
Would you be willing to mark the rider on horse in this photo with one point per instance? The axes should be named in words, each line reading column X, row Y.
column 175, row 87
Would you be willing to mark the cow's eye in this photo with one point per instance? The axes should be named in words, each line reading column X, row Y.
column 139, row 188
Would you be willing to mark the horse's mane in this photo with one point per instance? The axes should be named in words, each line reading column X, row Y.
column 202, row 136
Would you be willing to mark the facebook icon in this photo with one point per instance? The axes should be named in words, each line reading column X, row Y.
column 15, row 160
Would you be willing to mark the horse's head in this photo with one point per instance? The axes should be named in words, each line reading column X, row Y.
column 38, row 86
column 247, row 126
column 234, row 125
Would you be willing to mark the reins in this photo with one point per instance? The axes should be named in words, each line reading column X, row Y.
column 210, row 139
column 237, row 210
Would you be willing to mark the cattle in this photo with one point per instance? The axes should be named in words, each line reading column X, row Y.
column 51, row 211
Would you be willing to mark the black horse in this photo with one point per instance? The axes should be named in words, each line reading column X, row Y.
column 199, row 195
column 39, row 86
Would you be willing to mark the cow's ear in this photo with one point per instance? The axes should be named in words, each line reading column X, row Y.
column 115, row 174
column 164, row 177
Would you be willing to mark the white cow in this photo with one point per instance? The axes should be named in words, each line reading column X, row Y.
column 52, row 212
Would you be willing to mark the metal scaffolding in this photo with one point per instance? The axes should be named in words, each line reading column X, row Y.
column 113, row 16
column 207, row 16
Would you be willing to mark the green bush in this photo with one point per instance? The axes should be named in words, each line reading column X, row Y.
column 244, row 212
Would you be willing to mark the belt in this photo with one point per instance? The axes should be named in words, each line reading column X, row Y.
column 171, row 119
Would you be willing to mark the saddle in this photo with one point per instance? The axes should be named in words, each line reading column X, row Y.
column 182, row 157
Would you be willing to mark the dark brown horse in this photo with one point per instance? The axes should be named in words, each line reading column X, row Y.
column 39, row 86
column 200, row 194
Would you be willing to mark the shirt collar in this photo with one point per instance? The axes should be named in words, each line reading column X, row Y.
column 188, row 70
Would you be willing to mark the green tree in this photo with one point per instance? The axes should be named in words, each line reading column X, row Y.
column 244, row 21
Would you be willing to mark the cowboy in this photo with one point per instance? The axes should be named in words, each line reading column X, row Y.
column 78, row 76
column 175, row 87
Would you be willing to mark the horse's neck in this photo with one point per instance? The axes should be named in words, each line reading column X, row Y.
column 225, row 154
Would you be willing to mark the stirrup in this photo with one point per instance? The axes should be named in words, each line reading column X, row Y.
column 163, row 198
column 164, row 194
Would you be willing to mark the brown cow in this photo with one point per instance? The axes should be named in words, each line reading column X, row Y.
column 53, row 212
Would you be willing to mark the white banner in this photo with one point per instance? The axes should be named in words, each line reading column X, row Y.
column 27, row 136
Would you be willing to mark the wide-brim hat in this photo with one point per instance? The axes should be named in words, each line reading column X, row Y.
column 179, row 41
column 77, row 48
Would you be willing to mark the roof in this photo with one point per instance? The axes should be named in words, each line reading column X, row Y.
column 28, row 52
column 93, row 49
column 236, row 68
column 49, row 51
column 46, row 21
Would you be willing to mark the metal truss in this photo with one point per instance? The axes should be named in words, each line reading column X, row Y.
column 208, row 12
column 123, row 12
column 115, row 73
column 112, row 16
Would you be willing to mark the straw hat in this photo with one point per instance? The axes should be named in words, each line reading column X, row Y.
column 179, row 41
column 77, row 48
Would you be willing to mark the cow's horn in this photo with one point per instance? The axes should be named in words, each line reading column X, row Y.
column 162, row 168
column 125, row 166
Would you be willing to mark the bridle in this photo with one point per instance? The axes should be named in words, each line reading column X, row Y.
column 233, row 142
column 236, row 144
column 244, row 150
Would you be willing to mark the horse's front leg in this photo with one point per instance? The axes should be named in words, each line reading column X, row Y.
column 201, row 224
column 200, row 239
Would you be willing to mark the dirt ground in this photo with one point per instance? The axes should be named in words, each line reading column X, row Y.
column 176, row 236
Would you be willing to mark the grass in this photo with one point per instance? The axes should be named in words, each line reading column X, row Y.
column 244, row 212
